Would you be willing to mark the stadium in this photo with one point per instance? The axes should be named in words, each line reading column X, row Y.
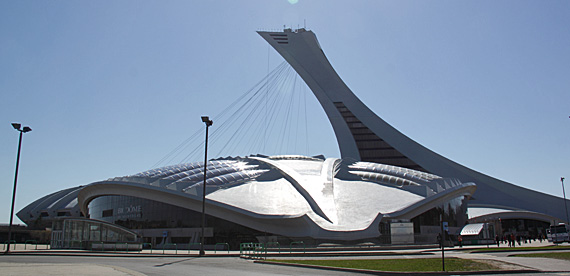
column 385, row 188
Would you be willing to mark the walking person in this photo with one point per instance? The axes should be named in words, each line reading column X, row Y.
column 513, row 240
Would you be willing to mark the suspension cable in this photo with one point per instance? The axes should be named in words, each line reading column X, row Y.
column 269, row 111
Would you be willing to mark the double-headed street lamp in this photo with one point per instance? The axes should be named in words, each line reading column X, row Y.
column 208, row 123
column 19, row 128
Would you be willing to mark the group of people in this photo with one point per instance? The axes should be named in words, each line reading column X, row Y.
column 511, row 239
column 508, row 238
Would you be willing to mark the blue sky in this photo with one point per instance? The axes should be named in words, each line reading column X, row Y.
column 110, row 87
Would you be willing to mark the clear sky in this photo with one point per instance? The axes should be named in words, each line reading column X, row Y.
column 110, row 87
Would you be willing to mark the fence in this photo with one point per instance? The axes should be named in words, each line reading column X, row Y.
column 115, row 246
column 27, row 245
column 222, row 244
column 252, row 250
column 297, row 243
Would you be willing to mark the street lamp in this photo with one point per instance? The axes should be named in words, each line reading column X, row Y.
column 16, row 126
column 442, row 240
column 565, row 207
column 208, row 123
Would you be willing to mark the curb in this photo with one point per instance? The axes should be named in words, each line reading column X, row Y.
column 133, row 255
column 515, row 251
column 377, row 272
column 269, row 254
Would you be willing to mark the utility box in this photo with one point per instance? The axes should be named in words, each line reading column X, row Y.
column 402, row 232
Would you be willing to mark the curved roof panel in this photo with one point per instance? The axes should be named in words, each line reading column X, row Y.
column 331, row 196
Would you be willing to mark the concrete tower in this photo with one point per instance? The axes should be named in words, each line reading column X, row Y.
column 362, row 135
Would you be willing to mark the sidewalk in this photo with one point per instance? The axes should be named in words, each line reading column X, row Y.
column 500, row 258
column 541, row 264
column 523, row 263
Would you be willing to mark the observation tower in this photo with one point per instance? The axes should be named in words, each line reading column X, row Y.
column 364, row 136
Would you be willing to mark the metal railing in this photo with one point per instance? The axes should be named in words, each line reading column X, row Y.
column 273, row 243
column 126, row 246
column 146, row 243
column 222, row 244
column 250, row 250
column 30, row 241
column 191, row 244
column 297, row 242
column 175, row 247
column 11, row 242
column 102, row 246
column 78, row 242
column 113, row 246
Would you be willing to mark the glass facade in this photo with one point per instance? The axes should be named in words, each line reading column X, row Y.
column 83, row 233
column 427, row 225
column 454, row 213
column 139, row 213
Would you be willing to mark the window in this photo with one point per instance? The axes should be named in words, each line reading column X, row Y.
column 107, row 213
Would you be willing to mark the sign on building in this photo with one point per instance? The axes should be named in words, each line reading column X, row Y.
column 402, row 232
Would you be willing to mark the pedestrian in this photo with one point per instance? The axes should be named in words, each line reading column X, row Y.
column 497, row 240
column 460, row 241
column 513, row 240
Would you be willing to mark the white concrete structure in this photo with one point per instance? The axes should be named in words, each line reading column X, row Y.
column 363, row 135
column 292, row 196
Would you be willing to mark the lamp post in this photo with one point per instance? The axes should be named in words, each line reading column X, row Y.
column 208, row 123
column 564, row 194
column 16, row 126
column 442, row 240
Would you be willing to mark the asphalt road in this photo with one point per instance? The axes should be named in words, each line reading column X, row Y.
column 109, row 265
column 149, row 266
